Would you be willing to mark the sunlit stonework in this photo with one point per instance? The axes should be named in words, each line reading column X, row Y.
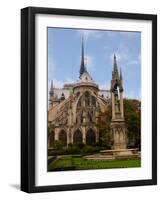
column 74, row 109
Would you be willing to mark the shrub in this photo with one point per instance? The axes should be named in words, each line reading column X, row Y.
column 73, row 149
column 90, row 149
column 58, row 144
column 80, row 145
column 81, row 148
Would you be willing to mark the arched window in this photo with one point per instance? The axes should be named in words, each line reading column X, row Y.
column 86, row 107
column 90, row 116
column 116, row 89
column 81, row 117
column 77, row 137
column 90, row 137
column 87, row 98
column 93, row 101
column 63, row 137
column 79, row 103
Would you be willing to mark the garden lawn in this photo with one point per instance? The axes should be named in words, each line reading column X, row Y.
column 79, row 163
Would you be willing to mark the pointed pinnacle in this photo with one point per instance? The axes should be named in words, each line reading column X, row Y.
column 82, row 59
column 120, row 74
column 115, row 62
column 52, row 86
column 82, row 66
column 115, row 65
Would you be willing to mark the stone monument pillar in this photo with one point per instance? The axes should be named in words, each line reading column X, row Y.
column 118, row 128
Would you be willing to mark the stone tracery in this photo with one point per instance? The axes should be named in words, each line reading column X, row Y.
column 74, row 109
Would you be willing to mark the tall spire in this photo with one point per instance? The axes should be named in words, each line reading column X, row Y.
column 121, row 84
column 51, row 88
column 52, row 85
column 115, row 70
column 120, row 74
column 82, row 65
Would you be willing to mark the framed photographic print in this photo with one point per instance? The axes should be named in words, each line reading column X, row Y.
column 88, row 99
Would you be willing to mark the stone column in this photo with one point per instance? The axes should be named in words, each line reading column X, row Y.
column 116, row 139
column 113, row 105
column 56, row 134
column 97, row 136
column 72, row 135
column 121, row 105
column 84, row 134
column 68, row 136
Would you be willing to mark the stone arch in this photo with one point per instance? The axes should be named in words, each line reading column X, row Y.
column 90, row 137
column 90, row 113
column 116, row 85
column 63, row 137
column 87, row 98
column 77, row 137
column 93, row 100
column 84, row 99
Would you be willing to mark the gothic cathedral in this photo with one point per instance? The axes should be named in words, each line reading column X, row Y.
column 74, row 110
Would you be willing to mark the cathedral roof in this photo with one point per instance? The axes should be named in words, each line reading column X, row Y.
column 85, row 77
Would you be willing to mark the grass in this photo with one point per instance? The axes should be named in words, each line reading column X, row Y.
column 79, row 163
column 61, row 164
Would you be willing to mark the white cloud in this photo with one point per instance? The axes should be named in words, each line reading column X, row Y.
column 122, row 53
column 115, row 33
column 90, row 33
column 51, row 68
column 104, row 86
column 89, row 62
column 132, row 62
column 60, row 83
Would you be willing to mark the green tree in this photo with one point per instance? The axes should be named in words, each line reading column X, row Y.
column 50, row 135
column 104, row 122
column 133, row 121
column 132, row 111
column 49, row 130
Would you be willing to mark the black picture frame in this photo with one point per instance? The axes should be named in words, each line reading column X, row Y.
column 28, row 98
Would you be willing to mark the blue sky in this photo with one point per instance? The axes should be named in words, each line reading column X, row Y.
column 64, row 50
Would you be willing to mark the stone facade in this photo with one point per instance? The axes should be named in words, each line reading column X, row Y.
column 74, row 110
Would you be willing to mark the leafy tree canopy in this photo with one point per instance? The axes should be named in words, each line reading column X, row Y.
column 132, row 111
